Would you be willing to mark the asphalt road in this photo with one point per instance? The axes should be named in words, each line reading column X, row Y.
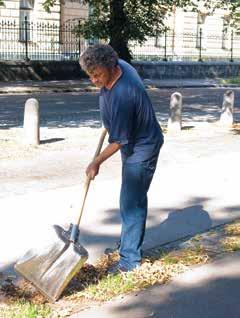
column 81, row 109
column 61, row 159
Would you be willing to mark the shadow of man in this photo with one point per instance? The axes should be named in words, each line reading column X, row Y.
column 179, row 224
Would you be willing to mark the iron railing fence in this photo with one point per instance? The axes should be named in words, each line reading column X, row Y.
column 189, row 47
column 51, row 41
column 40, row 41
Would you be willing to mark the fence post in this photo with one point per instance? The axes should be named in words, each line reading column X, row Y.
column 175, row 114
column 231, row 59
column 165, row 46
column 200, row 45
column 26, row 38
column 79, row 40
column 226, row 118
column 31, row 123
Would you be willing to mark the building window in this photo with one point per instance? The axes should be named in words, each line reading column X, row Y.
column 160, row 40
column 201, row 30
column 25, row 10
column 226, row 33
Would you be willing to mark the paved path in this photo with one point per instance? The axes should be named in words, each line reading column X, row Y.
column 208, row 291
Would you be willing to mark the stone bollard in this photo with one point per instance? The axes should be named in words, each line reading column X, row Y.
column 175, row 115
column 31, row 122
column 226, row 118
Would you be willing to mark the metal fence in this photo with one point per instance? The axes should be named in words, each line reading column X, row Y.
column 190, row 47
column 40, row 41
column 48, row 41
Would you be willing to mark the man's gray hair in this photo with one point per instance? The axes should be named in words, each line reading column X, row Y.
column 98, row 55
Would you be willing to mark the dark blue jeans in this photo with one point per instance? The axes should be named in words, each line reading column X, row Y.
column 136, row 180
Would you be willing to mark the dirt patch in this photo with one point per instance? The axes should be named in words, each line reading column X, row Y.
column 12, row 146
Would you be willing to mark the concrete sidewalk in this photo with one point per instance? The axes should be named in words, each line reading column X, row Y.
column 84, row 85
column 207, row 291
column 194, row 189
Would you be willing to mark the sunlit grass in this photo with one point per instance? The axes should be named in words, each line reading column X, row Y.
column 23, row 309
column 233, row 229
column 157, row 269
column 110, row 286
column 233, row 80
column 231, row 243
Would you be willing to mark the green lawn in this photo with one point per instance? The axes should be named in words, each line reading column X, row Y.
column 233, row 80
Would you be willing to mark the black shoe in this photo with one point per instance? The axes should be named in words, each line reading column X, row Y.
column 117, row 269
column 114, row 249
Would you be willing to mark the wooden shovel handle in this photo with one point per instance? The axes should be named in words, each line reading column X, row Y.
column 88, row 180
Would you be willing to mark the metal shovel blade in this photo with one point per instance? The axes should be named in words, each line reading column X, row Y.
column 51, row 268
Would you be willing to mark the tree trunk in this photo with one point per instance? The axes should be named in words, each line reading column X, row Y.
column 118, row 37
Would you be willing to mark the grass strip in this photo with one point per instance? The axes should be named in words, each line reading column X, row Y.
column 231, row 243
column 25, row 309
column 157, row 269
column 232, row 80
column 93, row 285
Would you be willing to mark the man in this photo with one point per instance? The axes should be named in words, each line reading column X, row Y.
column 129, row 118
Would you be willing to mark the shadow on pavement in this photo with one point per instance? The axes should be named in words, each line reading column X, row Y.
column 51, row 140
column 178, row 224
column 208, row 292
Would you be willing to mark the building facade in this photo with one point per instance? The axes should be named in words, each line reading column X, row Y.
column 194, row 36
column 72, row 10
column 17, row 10
column 27, row 31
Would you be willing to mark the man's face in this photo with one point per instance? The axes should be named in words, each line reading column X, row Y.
column 100, row 76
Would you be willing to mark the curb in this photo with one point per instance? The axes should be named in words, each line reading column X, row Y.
column 78, row 86
column 16, row 90
column 29, row 90
column 68, row 86
column 149, row 86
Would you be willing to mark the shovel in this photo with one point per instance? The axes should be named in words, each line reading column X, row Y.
column 51, row 268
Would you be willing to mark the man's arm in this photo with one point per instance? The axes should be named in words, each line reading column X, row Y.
column 93, row 168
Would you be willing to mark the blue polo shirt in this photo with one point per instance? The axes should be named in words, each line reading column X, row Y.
column 128, row 115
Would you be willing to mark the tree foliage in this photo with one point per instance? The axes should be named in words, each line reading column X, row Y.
column 121, row 21
column 232, row 8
